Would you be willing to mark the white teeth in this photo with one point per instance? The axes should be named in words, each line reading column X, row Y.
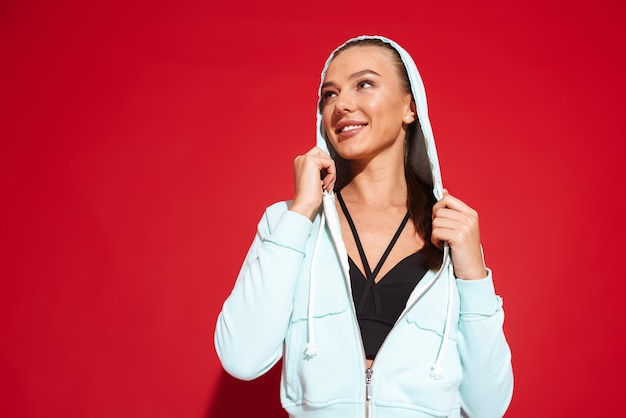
column 351, row 127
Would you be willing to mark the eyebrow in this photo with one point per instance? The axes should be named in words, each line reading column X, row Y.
column 352, row 76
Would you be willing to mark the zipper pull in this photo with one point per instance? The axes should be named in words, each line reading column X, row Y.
column 368, row 383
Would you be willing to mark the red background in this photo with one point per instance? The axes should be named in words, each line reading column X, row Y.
column 142, row 140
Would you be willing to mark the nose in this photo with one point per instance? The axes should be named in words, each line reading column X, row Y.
column 344, row 103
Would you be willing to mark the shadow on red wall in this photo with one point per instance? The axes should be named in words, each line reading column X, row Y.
column 258, row 398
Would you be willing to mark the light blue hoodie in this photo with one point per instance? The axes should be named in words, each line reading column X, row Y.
column 446, row 355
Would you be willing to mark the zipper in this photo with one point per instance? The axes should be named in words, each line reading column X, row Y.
column 369, row 371
column 368, row 392
column 346, row 275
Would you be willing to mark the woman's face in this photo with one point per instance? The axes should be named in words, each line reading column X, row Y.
column 366, row 110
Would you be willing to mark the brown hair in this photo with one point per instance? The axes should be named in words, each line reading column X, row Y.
column 420, row 198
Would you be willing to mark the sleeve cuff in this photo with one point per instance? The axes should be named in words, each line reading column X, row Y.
column 478, row 296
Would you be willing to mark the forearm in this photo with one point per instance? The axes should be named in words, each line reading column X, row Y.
column 487, row 384
column 254, row 319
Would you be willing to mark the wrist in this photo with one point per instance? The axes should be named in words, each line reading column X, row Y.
column 305, row 210
column 477, row 274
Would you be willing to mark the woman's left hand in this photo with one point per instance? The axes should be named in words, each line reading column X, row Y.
column 457, row 224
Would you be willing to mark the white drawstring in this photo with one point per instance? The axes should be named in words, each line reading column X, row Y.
column 311, row 349
column 436, row 371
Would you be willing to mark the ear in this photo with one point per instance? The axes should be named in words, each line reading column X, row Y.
column 410, row 114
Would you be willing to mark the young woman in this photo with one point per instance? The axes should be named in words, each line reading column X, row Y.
column 370, row 284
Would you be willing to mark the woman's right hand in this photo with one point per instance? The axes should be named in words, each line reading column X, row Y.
column 314, row 172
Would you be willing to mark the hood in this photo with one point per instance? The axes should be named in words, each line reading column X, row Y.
column 424, row 154
column 426, row 164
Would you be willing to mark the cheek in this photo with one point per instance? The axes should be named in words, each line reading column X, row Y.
column 326, row 120
column 375, row 110
column 390, row 112
column 375, row 104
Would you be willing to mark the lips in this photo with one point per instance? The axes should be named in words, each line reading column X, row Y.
column 348, row 126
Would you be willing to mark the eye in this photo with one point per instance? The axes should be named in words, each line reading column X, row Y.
column 328, row 94
column 365, row 84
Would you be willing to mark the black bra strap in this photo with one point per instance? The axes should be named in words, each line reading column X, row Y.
column 359, row 246
column 370, row 275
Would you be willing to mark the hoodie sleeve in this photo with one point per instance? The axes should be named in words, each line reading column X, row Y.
column 254, row 319
column 487, row 385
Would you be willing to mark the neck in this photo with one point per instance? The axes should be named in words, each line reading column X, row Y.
column 379, row 183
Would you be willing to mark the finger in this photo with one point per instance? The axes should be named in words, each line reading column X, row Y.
column 465, row 224
column 455, row 215
column 436, row 241
column 314, row 151
column 317, row 161
column 329, row 176
column 317, row 151
column 325, row 164
column 453, row 236
column 451, row 202
column 447, row 223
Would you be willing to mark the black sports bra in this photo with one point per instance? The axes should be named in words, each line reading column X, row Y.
column 379, row 305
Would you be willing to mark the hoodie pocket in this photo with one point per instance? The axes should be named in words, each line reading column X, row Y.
column 430, row 312
column 405, row 368
column 328, row 375
column 325, row 293
column 410, row 381
column 322, row 317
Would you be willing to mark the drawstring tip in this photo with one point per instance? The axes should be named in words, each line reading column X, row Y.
column 310, row 351
column 436, row 372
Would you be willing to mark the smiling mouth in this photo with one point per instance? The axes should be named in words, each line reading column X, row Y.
column 348, row 128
